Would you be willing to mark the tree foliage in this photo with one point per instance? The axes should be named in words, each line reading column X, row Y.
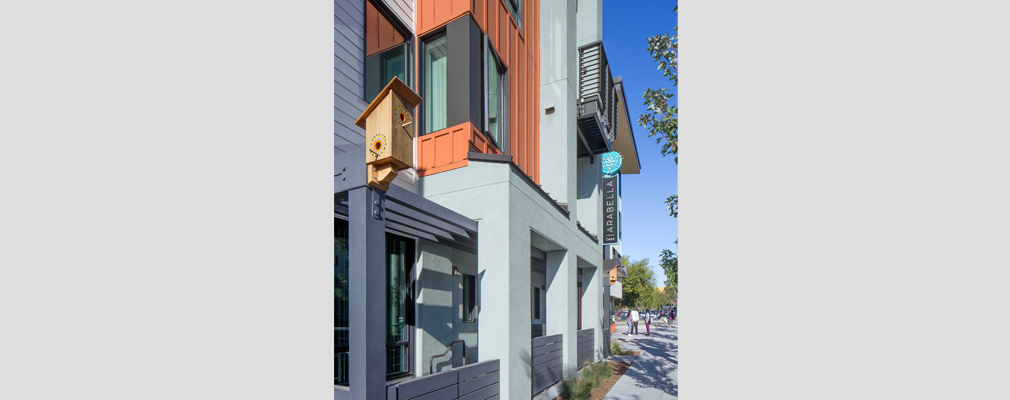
column 660, row 118
column 639, row 285
column 668, row 261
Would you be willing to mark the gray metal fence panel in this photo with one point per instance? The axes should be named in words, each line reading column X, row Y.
column 546, row 362
column 473, row 382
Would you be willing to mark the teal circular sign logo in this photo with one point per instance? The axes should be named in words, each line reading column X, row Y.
column 611, row 163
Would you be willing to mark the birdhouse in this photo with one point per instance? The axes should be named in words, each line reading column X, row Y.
column 389, row 133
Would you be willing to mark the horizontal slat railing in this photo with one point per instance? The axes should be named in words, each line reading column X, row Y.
column 546, row 362
column 478, row 381
column 596, row 85
column 585, row 346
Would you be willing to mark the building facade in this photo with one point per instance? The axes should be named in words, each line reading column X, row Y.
column 483, row 269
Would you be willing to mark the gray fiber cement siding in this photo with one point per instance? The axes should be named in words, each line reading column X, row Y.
column 349, row 74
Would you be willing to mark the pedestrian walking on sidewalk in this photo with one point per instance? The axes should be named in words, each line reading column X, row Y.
column 634, row 321
column 648, row 319
column 627, row 318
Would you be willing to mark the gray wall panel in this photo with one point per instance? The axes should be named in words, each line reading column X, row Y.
column 349, row 66
column 351, row 5
column 349, row 56
column 404, row 10
column 349, row 69
column 349, row 79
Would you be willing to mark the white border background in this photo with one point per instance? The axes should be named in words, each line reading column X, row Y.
column 166, row 217
column 166, row 204
column 844, row 200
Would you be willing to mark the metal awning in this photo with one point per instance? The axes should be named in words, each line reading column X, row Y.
column 406, row 213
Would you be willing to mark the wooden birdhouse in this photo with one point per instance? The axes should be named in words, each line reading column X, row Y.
column 389, row 133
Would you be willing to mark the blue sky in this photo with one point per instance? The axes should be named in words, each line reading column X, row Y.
column 647, row 227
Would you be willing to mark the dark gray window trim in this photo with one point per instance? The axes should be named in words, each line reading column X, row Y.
column 486, row 89
column 472, row 316
column 412, row 328
column 517, row 6
column 422, row 61
column 404, row 30
column 536, row 303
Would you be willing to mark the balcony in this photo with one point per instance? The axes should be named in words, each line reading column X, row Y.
column 597, row 102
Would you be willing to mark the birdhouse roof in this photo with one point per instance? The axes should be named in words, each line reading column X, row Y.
column 396, row 85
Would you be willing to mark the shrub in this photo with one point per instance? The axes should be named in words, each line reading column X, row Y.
column 578, row 388
column 615, row 348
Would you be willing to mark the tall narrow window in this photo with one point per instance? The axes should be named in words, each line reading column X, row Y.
column 400, row 259
column 386, row 48
column 496, row 101
column 435, row 84
column 515, row 8
column 536, row 303
column 340, row 307
column 469, row 298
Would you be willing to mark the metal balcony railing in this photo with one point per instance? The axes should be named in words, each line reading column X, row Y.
column 597, row 98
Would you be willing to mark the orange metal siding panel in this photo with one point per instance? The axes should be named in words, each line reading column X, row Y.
column 461, row 141
column 514, row 105
column 425, row 153
column 523, row 105
column 443, row 9
column 445, row 149
column 504, row 18
column 459, row 6
column 425, row 15
column 479, row 14
column 534, row 113
column 536, row 29
column 520, row 129
column 492, row 24
column 527, row 114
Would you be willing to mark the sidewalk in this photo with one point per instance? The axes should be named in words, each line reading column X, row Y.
column 653, row 376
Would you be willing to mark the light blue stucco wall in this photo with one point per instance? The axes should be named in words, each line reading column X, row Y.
column 512, row 216
column 590, row 22
column 590, row 196
column 439, row 307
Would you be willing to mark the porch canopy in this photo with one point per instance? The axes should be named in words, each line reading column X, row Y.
column 370, row 213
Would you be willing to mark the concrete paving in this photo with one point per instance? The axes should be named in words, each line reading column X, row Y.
column 653, row 375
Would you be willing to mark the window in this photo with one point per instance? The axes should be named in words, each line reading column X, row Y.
column 399, row 303
column 386, row 47
column 435, row 84
column 497, row 101
column 578, row 325
column 536, row 303
column 515, row 8
column 340, row 298
column 469, row 298
column 399, row 265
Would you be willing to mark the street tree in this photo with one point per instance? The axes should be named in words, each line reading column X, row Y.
column 660, row 118
column 668, row 261
column 638, row 288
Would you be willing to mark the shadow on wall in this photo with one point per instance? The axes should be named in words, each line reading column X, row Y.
column 440, row 321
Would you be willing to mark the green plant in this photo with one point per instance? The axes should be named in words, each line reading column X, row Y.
column 577, row 389
column 598, row 372
column 615, row 348
column 580, row 387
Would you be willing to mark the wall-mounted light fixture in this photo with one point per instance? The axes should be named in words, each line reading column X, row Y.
column 549, row 110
